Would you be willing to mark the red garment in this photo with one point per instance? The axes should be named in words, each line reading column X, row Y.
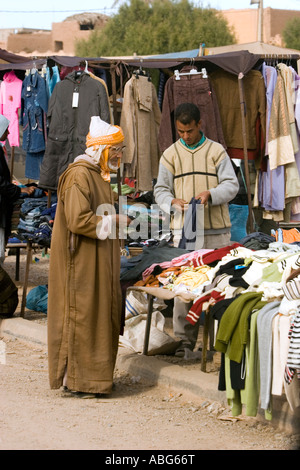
column 215, row 255
column 130, row 182
column 197, row 308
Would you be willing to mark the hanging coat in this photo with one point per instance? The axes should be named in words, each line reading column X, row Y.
column 227, row 90
column 192, row 88
column 84, row 300
column 34, row 106
column 72, row 104
column 140, row 122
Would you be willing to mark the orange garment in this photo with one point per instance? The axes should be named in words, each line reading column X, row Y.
column 153, row 281
column 150, row 281
column 289, row 236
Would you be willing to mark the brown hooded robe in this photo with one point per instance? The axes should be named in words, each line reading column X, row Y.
column 84, row 302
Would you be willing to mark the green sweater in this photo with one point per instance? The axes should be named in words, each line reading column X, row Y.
column 250, row 395
column 233, row 332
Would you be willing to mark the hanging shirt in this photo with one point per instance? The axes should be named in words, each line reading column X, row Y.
column 52, row 78
column 10, row 103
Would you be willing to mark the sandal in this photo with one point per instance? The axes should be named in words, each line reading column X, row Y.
column 180, row 351
column 85, row 395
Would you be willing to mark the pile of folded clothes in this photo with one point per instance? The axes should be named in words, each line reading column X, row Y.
column 36, row 221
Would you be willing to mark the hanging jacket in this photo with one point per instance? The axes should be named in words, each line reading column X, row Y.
column 226, row 87
column 34, row 106
column 140, row 120
column 52, row 78
column 69, row 122
column 195, row 89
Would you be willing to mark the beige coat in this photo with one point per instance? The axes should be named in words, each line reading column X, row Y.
column 84, row 306
column 140, row 122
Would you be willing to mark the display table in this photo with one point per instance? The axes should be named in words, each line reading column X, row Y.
column 29, row 245
column 165, row 294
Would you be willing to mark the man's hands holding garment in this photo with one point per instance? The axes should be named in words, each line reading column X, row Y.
column 181, row 205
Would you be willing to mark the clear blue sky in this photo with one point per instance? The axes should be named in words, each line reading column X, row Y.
column 38, row 14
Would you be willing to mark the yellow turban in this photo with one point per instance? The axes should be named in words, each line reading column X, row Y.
column 100, row 138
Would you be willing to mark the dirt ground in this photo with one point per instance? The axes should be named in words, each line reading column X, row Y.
column 136, row 416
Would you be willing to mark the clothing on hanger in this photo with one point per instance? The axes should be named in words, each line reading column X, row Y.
column 140, row 120
column 10, row 103
column 226, row 87
column 195, row 88
column 72, row 104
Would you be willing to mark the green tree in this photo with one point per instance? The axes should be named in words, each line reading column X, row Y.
column 291, row 34
column 157, row 27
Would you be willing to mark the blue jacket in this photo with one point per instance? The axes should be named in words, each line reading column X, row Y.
column 34, row 106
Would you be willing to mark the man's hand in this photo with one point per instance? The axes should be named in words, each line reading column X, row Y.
column 203, row 197
column 179, row 204
column 28, row 190
column 121, row 220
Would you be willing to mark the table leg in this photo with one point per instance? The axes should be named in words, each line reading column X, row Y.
column 28, row 262
column 17, row 277
column 148, row 324
column 205, row 341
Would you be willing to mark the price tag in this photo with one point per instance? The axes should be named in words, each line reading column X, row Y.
column 75, row 100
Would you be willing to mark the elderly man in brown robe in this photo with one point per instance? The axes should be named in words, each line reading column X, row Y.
column 84, row 302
